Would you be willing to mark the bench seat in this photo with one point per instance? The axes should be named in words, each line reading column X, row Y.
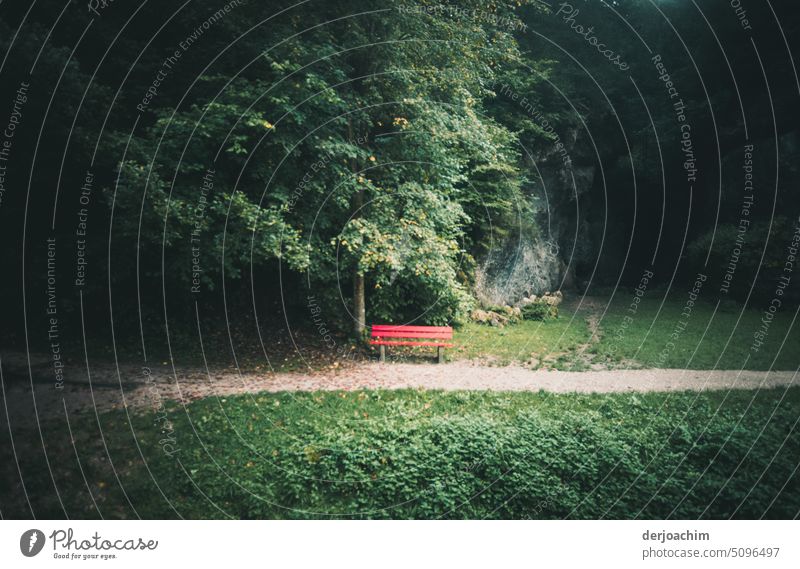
column 393, row 335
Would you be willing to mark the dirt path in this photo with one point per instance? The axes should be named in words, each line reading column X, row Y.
column 151, row 391
column 462, row 375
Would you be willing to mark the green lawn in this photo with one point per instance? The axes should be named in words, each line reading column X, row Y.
column 422, row 454
column 554, row 342
column 655, row 336
column 565, row 343
column 710, row 339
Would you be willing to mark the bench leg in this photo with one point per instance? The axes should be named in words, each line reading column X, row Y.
column 440, row 354
column 383, row 353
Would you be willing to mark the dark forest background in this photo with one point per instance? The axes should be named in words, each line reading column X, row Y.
column 322, row 149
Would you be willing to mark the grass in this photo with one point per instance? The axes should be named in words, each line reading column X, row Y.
column 655, row 336
column 421, row 454
column 427, row 454
column 713, row 337
column 554, row 342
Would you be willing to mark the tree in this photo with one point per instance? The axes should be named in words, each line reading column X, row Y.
column 353, row 143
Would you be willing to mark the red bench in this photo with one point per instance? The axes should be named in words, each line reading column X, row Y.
column 389, row 335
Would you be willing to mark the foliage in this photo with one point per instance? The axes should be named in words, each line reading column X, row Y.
column 761, row 248
column 539, row 310
column 412, row 454
column 336, row 116
column 339, row 139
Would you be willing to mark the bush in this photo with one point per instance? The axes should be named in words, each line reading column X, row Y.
column 468, row 455
column 411, row 454
column 539, row 310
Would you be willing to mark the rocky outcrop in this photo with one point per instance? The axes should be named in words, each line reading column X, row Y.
column 551, row 299
column 498, row 317
column 542, row 255
column 516, row 271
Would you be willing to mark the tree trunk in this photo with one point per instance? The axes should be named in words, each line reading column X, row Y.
column 359, row 305
column 359, row 301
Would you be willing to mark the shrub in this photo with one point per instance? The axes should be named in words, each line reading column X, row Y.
column 546, row 457
column 539, row 310
column 414, row 454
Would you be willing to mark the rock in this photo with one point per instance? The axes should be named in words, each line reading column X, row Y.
column 524, row 262
column 491, row 317
column 479, row 315
column 553, row 299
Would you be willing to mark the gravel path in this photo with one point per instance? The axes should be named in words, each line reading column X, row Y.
column 456, row 376
column 151, row 391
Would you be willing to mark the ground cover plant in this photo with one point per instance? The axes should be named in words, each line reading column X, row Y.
column 425, row 454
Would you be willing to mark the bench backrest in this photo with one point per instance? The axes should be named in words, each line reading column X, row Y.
column 426, row 332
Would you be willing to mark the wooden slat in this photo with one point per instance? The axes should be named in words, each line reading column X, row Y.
column 403, row 327
column 408, row 343
column 412, row 328
column 390, row 331
column 434, row 336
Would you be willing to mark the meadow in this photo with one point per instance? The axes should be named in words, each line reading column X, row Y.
column 659, row 334
column 422, row 454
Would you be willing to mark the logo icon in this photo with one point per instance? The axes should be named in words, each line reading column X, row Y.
column 31, row 542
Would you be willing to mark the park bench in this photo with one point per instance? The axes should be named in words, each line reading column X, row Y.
column 390, row 335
